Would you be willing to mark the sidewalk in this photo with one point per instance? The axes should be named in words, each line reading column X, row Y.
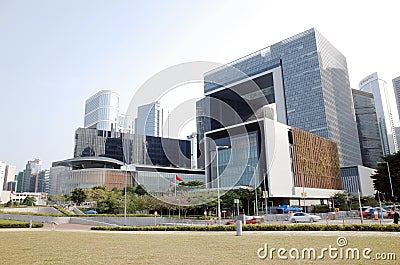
column 67, row 227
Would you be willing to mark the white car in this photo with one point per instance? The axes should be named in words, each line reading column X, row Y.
column 301, row 217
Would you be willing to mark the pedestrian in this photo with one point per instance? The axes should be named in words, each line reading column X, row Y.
column 396, row 217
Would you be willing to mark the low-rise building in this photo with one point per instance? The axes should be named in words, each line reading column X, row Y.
column 358, row 179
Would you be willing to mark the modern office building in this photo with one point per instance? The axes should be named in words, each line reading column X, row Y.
column 133, row 148
column 43, row 181
column 378, row 87
column 11, row 186
column 294, row 166
column 102, row 111
column 9, row 176
column 54, row 174
column 3, row 167
column 149, row 120
column 368, row 128
column 396, row 88
column 88, row 172
column 304, row 80
column 31, row 175
column 194, row 150
column 357, row 179
column 397, row 131
column 20, row 181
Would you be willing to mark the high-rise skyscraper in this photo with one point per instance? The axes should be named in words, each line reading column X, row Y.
column 397, row 131
column 102, row 110
column 149, row 120
column 378, row 88
column 31, row 175
column 305, row 80
column 9, row 175
column 102, row 113
column 396, row 88
column 43, row 181
column 368, row 128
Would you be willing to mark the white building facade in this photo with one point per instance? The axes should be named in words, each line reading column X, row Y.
column 2, row 174
column 9, row 175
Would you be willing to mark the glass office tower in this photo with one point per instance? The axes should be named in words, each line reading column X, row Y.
column 149, row 120
column 368, row 128
column 378, row 88
column 304, row 76
column 396, row 88
column 102, row 110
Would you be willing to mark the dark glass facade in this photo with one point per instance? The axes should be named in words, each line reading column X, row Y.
column 239, row 164
column 132, row 148
column 368, row 128
column 237, row 174
column 351, row 179
column 317, row 91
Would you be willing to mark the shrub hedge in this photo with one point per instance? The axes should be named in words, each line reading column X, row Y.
column 257, row 227
column 34, row 214
column 62, row 210
column 18, row 224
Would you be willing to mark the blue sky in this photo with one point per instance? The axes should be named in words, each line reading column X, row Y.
column 56, row 54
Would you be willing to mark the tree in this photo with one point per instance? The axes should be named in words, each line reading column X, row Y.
column 30, row 201
column 340, row 200
column 381, row 178
column 193, row 183
column 140, row 190
column 78, row 195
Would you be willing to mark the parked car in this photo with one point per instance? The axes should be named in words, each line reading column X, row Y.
column 254, row 219
column 366, row 211
column 91, row 212
column 389, row 210
column 249, row 220
column 380, row 211
column 370, row 213
column 300, row 217
column 287, row 208
column 230, row 222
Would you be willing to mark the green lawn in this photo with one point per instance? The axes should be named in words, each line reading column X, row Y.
column 60, row 247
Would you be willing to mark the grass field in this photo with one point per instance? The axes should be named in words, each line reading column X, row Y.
column 61, row 247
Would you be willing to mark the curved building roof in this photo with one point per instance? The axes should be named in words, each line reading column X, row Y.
column 90, row 162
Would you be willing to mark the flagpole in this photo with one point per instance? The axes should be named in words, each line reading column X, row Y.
column 175, row 185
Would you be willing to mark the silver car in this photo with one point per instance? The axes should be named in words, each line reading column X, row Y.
column 301, row 217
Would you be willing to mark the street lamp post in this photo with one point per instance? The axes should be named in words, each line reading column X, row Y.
column 390, row 178
column 265, row 194
column 255, row 189
column 217, row 148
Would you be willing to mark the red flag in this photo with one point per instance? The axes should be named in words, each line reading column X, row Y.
column 178, row 178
